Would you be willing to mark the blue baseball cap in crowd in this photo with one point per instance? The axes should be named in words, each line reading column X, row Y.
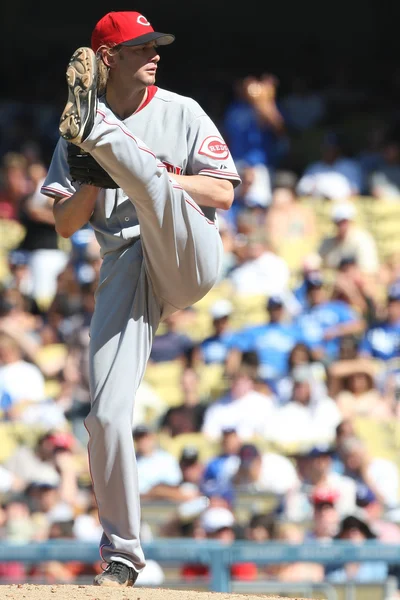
column 320, row 450
column 394, row 292
column 275, row 302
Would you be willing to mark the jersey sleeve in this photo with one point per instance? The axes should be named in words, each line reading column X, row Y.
column 208, row 153
column 58, row 180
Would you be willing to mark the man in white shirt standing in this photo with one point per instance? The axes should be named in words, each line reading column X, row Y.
column 349, row 240
column 307, row 418
column 242, row 408
column 155, row 466
column 263, row 271
column 21, row 383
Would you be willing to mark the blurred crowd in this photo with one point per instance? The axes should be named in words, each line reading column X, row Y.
column 304, row 414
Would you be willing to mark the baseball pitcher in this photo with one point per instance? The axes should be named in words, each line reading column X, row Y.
column 148, row 168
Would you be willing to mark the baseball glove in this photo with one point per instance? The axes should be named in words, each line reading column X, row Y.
column 85, row 169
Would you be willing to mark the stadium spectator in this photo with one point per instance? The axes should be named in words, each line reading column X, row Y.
column 19, row 278
column 267, row 472
column 384, row 181
column 187, row 417
column 356, row 530
column 301, row 354
column 326, row 321
column 358, row 291
column 261, row 527
column 21, row 382
column 373, row 475
column 40, row 241
column 222, row 467
column 304, row 108
column 271, row 342
column 326, row 518
column 15, row 184
column 253, row 125
column 288, row 219
column 157, row 468
column 292, row 533
column 218, row 524
column 214, row 348
column 381, row 340
column 242, row 408
column 354, row 387
column 309, row 417
column 335, row 176
column 349, row 240
column 315, row 473
column 262, row 272
column 171, row 344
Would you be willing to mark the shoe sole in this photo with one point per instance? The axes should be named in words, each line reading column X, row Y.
column 77, row 117
column 110, row 583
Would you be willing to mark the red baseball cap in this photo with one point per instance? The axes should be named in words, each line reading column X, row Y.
column 126, row 28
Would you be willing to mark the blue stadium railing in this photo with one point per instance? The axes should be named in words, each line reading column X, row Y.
column 219, row 557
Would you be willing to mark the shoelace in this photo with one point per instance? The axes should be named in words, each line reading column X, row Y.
column 116, row 568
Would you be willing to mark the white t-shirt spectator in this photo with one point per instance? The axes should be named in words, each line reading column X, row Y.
column 22, row 381
column 160, row 467
column 297, row 424
column 6, row 480
column 269, row 275
column 278, row 474
column 315, row 177
column 385, row 477
column 299, row 506
column 248, row 415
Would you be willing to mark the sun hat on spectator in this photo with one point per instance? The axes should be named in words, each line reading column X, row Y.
column 353, row 521
column 216, row 518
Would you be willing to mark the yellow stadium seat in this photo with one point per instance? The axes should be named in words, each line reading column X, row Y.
column 248, row 310
column 213, row 382
column 207, row 449
column 294, row 251
column 51, row 358
column 377, row 435
column 165, row 378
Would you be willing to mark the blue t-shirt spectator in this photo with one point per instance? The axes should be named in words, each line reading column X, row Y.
column 272, row 343
column 382, row 341
column 214, row 349
column 318, row 319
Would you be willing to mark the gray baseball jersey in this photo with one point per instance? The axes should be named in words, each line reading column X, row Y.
column 172, row 264
column 181, row 135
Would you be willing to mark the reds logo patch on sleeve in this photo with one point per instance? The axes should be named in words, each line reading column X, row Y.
column 214, row 147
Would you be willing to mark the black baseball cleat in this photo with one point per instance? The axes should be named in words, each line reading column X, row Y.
column 78, row 115
column 117, row 574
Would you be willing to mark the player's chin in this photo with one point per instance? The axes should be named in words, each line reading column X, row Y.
column 150, row 77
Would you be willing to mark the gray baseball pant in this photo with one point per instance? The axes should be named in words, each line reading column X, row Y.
column 174, row 264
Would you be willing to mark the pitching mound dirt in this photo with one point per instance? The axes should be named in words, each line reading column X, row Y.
column 88, row 592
